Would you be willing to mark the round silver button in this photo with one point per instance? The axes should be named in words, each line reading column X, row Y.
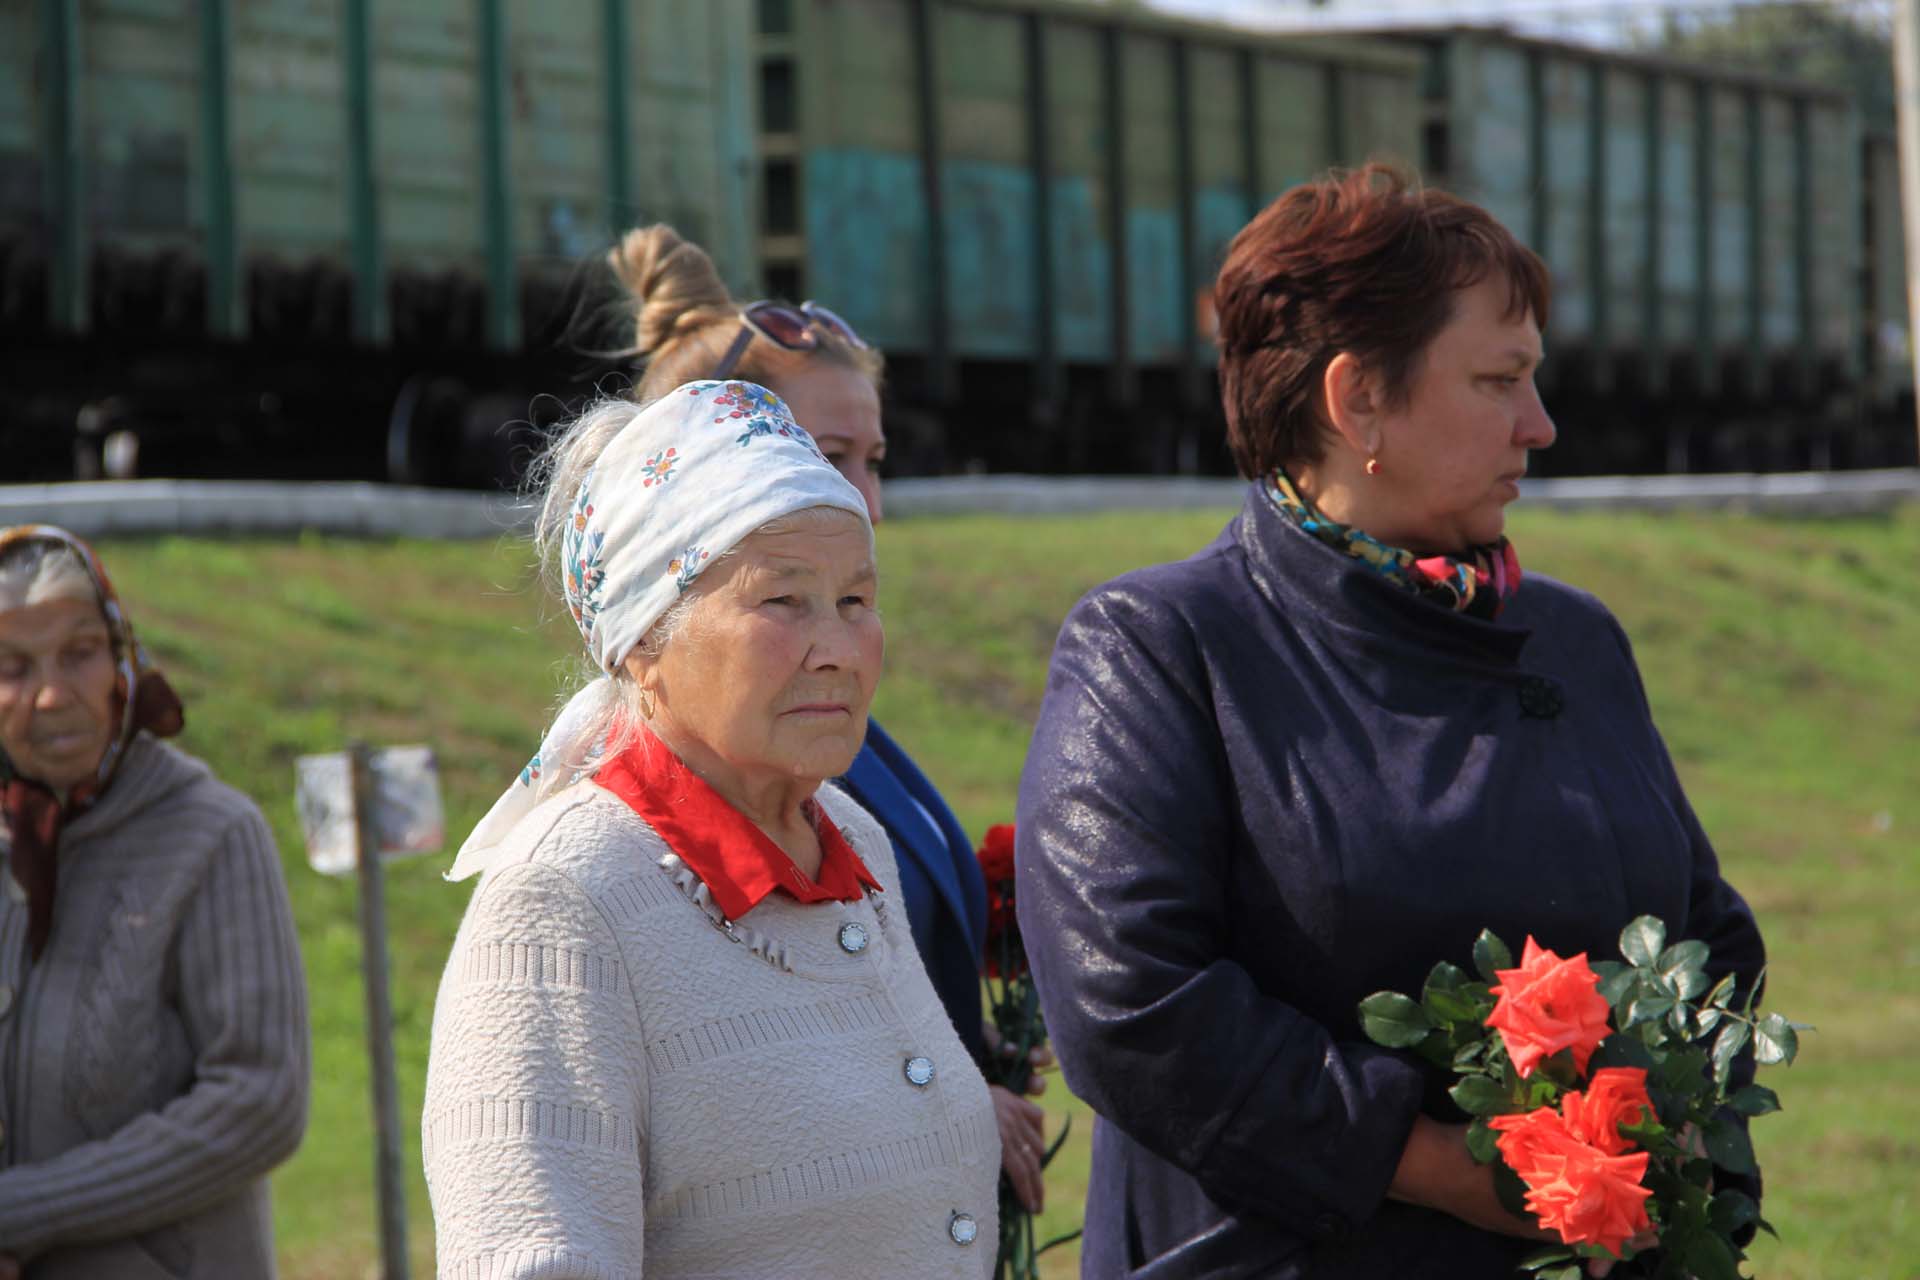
column 16, row 890
column 962, row 1229
column 919, row 1072
column 853, row 937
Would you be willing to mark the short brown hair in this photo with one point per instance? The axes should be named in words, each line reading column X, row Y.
column 1366, row 262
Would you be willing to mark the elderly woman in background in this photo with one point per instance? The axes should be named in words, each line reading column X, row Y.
column 684, row 1030
column 1324, row 753
column 686, row 326
column 153, row 1034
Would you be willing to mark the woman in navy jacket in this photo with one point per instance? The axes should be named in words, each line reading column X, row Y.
column 1324, row 753
column 686, row 326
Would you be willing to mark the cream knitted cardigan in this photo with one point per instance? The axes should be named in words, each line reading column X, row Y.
column 622, row 1084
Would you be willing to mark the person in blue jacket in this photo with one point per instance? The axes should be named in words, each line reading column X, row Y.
column 1322, row 754
column 687, row 326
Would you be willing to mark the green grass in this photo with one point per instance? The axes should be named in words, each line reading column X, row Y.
column 1780, row 657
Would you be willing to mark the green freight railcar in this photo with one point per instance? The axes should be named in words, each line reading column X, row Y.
column 1704, row 229
column 1014, row 194
column 370, row 211
column 288, row 198
column 492, row 139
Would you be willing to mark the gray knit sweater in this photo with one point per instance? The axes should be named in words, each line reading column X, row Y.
column 153, row 1061
column 623, row 1086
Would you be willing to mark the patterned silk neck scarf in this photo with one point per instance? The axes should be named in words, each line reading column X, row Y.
column 142, row 699
column 1477, row 583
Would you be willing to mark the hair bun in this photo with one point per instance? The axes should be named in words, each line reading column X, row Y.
column 671, row 286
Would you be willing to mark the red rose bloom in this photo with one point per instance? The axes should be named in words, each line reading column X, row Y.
column 1578, row 1190
column 1615, row 1096
column 1546, row 1005
column 996, row 853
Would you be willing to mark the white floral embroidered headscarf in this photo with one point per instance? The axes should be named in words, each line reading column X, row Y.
column 690, row 476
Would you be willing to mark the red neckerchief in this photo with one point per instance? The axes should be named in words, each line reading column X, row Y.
column 739, row 863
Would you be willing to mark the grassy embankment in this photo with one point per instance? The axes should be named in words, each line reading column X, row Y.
column 1779, row 655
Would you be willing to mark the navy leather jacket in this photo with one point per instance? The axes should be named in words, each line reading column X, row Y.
column 940, row 882
column 1265, row 784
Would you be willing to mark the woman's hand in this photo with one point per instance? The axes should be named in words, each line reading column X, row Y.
column 1437, row 1171
column 1022, row 1143
column 9, row 1267
column 1040, row 1058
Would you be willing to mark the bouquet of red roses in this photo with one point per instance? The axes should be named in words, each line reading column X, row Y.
column 1601, row 1093
column 1013, row 1009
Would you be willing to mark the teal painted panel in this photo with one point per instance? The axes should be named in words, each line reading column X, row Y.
column 1780, row 319
column 1498, row 169
column 23, row 188
column 1679, row 199
column 1219, row 213
column 1837, row 195
column 866, row 242
column 1624, row 202
column 1732, row 260
column 1568, row 182
column 1083, row 285
column 288, row 129
column 990, row 259
column 1159, row 316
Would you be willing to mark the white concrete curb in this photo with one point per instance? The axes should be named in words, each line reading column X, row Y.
column 132, row 507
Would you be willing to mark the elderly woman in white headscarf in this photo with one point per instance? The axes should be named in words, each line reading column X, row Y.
column 684, row 1030
column 153, row 1027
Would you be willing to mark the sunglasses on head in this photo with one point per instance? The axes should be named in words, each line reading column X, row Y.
column 793, row 328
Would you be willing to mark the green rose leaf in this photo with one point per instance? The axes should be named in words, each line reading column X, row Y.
column 1683, row 957
column 1732, row 1210
column 1616, row 980
column 1640, row 942
column 1550, row 1256
column 1647, row 1004
column 1722, row 994
column 1774, row 1040
column 1729, row 1147
column 1444, row 996
column 1490, row 955
column 1468, row 1056
column 1393, row 1020
column 1708, row 1258
column 1480, row 1096
column 1571, row 1271
column 1755, row 1100
column 1511, row 1192
column 1481, row 1141
column 1621, row 1051
column 1731, row 1040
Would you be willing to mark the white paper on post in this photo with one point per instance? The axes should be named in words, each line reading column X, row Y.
column 407, row 814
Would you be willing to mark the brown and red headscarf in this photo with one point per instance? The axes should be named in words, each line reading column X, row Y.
column 142, row 699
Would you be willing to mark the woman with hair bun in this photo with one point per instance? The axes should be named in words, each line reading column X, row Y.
column 686, row 326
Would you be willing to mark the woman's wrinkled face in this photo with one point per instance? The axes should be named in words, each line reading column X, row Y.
column 841, row 411
column 56, row 690
column 1452, row 457
column 772, row 674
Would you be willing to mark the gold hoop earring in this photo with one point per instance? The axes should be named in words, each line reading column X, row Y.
column 645, row 699
column 1373, row 466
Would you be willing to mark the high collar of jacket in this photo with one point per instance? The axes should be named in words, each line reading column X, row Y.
column 151, row 772
column 1322, row 587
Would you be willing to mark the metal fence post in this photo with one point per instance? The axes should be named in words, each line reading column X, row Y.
column 373, row 967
